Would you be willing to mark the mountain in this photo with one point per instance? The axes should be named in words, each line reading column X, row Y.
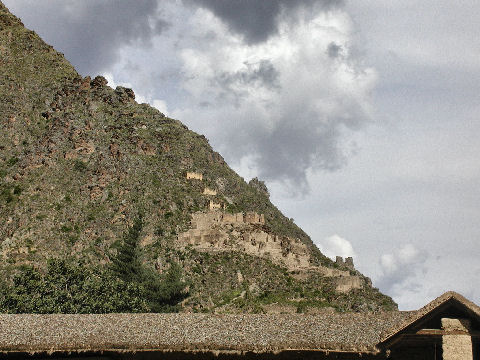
column 89, row 177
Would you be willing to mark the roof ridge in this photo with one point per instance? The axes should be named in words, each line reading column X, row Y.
column 428, row 308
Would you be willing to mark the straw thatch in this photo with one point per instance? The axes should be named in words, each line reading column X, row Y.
column 193, row 332
column 258, row 333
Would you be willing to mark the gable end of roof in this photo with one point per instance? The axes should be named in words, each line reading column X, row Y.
column 433, row 307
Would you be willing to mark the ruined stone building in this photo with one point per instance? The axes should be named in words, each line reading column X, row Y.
column 348, row 263
column 210, row 192
column 217, row 231
column 194, row 176
column 214, row 206
column 447, row 328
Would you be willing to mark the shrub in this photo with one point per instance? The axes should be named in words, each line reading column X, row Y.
column 67, row 287
column 71, row 287
column 79, row 166
column 12, row 161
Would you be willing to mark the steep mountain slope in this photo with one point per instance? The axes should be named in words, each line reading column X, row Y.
column 80, row 161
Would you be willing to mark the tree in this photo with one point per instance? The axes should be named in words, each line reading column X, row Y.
column 162, row 293
column 127, row 264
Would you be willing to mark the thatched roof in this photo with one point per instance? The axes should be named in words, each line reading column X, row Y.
column 194, row 332
column 329, row 332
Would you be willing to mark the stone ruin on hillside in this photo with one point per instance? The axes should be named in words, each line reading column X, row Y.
column 194, row 176
column 348, row 263
column 217, row 231
column 210, row 192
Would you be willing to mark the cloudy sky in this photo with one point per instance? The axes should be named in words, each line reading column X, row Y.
column 361, row 116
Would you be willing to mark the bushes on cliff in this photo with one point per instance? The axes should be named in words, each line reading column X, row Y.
column 71, row 287
column 67, row 287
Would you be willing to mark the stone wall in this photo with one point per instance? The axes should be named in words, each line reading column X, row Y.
column 194, row 175
column 210, row 192
column 215, row 231
column 457, row 341
column 220, row 231
column 254, row 218
column 214, row 206
column 348, row 283
column 348, row 263
column 208, row 220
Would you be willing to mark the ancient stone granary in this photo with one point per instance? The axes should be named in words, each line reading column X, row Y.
column 446, row 328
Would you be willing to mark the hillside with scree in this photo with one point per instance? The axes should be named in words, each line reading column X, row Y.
column 80, row 161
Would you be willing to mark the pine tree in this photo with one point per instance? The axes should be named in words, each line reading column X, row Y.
column 127, row 264
column 162, row 293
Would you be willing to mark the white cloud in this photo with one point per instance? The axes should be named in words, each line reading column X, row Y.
column 432, row 278
column 160, row 105
column 388, row 263
column 335, row 245
column 400, row 271
column 406, row 256
column 109, row 77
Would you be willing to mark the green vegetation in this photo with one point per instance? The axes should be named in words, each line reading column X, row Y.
column 9, row 193
column 162, row 293
column 71, row 287
column 79, row 166
column 68, row 287
column 12, row 161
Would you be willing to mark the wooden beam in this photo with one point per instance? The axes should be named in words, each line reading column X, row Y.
column 441, row 332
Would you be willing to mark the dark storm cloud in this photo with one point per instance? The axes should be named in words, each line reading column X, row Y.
column 297, row 143
column 262, row 73
column 257, row 20
column 90, row 32
column 302, row 140
column 299, row 140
